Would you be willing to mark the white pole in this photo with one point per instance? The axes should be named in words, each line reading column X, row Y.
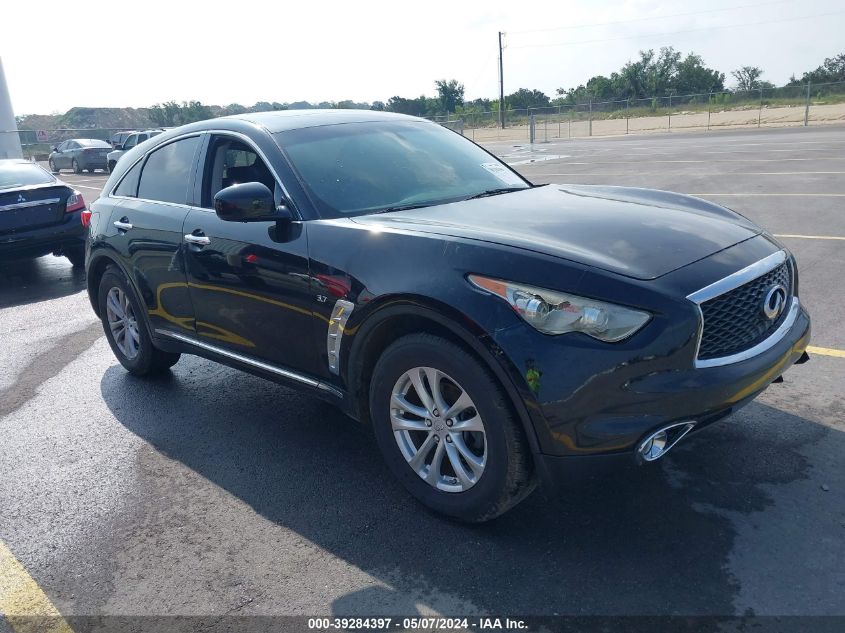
column 10, row 142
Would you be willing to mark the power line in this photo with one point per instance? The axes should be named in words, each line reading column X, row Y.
column 649, row 18
column 706, row 28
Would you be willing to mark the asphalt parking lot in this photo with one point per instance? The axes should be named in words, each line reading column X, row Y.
column 211, row 492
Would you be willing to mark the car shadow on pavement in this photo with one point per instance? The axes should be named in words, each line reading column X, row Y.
column 34, row 280
column 650, row 540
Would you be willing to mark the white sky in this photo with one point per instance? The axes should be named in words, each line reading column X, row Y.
column 116, row 53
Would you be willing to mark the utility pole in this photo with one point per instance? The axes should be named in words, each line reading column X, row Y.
column 501, row 86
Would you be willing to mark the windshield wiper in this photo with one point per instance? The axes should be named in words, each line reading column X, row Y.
column 495, row 192
column 403, row 207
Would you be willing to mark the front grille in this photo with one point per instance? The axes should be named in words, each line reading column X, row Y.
column 734, row 321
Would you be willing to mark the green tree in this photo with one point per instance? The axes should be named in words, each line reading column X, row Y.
column 833, row 69
column 402, row 105
column 748, row 77
column 524, row 98
column 450, row 94
column 170, row 113
column 693, row 77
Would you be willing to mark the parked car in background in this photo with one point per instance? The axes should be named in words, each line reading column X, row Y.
column 134, row 138
column 39, row 214
column 119, row 137
column 79, row 154
column 494, row 333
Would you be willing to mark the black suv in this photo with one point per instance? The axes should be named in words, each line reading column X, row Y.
column 494, row 333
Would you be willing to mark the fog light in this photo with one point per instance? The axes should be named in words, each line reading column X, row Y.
column 654, row 446
column 658, row 443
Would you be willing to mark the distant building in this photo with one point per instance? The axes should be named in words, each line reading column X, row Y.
column 10, row 143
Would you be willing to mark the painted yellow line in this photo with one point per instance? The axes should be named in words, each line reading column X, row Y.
column 825, row 351
column 811, row 237
column 23, row 603
column 772, row 195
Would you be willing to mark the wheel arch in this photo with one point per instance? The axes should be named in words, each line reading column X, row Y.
column 395, row 317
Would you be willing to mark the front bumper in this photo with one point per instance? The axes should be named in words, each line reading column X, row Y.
column 595, row 402
column 29, row 243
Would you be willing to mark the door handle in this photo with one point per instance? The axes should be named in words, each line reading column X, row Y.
column 199, row 240
column 123, row 224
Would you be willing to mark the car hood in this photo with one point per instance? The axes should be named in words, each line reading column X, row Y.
column 639, row 233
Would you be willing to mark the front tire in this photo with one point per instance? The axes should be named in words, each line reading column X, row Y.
column 53, row 167
column 446, row 430
column 111, row 165
column 76, row 168
column 125, row 329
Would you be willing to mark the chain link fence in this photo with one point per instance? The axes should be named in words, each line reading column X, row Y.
column 37, row 144
column 806, row 104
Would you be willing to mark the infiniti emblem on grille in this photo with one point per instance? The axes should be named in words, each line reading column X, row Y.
column 774, row 302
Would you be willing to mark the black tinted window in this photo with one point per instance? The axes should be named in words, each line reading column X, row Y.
column 129, row 185
column 167, row 172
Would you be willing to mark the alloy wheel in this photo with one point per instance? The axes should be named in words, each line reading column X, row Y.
column 122, row 323
column 438, row 429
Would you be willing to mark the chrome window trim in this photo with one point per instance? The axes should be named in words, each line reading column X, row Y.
column 30, row 203
column 286, row 373
column 732, row 282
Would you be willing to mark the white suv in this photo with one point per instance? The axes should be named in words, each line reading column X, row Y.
column 131, row 141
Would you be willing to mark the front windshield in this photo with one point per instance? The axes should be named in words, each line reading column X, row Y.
column 22, row 175
column 375, row 166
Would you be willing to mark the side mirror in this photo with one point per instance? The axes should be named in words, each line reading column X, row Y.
column 54, row 148
column 249, row 202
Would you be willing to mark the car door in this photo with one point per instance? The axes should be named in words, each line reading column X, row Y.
column 249, row 281
column 154, row 201
column 130, row 142
column 70, row 153
column 61, row 158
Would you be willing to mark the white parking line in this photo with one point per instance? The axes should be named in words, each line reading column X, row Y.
column 86, row 187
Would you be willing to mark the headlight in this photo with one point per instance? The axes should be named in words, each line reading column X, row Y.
column 555, row 312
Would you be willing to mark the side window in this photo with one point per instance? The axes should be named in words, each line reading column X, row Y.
column 131, row 142
column 167, row 172
column 62, row 147
column 229, row 162
column 129, row 185
column 72, row 145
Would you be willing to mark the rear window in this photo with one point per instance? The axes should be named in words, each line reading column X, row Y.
column 23, row 175
column 92, row 142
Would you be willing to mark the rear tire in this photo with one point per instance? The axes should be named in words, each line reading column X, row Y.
column 76, row 256
column 76, row 168
column 126, row 331
column 480, row 473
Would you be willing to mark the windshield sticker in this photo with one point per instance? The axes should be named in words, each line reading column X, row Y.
column 503, row 174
